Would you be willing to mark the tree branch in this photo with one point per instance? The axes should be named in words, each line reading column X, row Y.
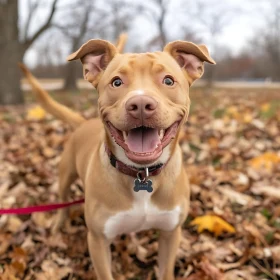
column 32, row 8
column 84, row 24
column 43, row 28
column 65, row 29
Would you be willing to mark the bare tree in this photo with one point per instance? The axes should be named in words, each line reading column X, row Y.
column 92, row 20
column 75, row 31
column 268, row 40
column 48, row 52
column 13, row 47
column 157, row 13
column 212, row 17
column 263, row 48
column 118, row 15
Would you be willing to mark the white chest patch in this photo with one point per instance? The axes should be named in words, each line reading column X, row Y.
column 143, row 215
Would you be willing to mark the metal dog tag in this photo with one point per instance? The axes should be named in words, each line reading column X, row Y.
column 143, row 185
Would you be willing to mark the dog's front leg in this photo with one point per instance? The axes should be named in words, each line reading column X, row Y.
column 99, row 249
column 168, row 245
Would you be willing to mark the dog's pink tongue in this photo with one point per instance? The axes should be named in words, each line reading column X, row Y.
column 142, row 140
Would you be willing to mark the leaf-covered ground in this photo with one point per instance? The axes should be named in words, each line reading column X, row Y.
column 231, row 153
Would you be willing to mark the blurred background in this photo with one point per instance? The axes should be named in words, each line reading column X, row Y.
column 243, row 36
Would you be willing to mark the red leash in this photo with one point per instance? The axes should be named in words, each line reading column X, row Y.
column 40, row 208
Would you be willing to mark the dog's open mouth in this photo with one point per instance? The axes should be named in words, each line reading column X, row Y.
column 143, row 145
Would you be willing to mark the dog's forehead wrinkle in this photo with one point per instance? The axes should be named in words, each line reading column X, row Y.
column 151, row 55
column 124, row 70
column 131, row 62
column 157, row 67
column 141, row 62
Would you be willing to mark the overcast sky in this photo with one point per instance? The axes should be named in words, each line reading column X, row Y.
column 244, row 18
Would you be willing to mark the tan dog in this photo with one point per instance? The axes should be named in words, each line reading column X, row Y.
column 133, row 147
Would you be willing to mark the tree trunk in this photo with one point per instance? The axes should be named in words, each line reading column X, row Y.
column 210, row 76
column 11, row 53
column 10, row 92
column 71, row 67
column 70, row 76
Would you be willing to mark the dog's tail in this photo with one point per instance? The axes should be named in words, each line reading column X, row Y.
column 50, row 105
column 120, row 44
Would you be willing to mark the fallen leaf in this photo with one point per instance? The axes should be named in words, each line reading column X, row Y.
column 141, row 253
column 237, row 197
column 42, row 219
column 14, row 224
column 233, row 111
column 265, row 107
column 237, row 274
column 9, row 273
column 265, row 161
column 36, row 113
column 210, row 270
column 225, row 130
column 52, row 271
column 213, row 224
column 267, row 190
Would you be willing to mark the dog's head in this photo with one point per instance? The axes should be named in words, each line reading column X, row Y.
column 143, row 98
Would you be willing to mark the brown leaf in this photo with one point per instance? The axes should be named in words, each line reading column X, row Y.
column 210, row 270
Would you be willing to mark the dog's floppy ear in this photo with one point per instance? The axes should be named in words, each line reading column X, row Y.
column 190, row 57
column 95, row 56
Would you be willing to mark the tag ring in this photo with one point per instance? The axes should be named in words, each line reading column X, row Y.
column 146, row 175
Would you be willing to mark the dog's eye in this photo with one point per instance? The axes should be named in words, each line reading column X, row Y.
column 117, row 82
column 168, row 81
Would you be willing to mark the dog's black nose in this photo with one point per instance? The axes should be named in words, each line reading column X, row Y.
column 141, row 106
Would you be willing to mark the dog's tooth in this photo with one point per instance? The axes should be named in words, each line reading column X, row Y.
column 124, row 135
column 161, row 134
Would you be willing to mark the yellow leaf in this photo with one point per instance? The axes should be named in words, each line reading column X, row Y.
column 247, row 118
column 213, row 224
column 265, row 161
column 265, row 107
column 233, row 112
column 36, row 113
